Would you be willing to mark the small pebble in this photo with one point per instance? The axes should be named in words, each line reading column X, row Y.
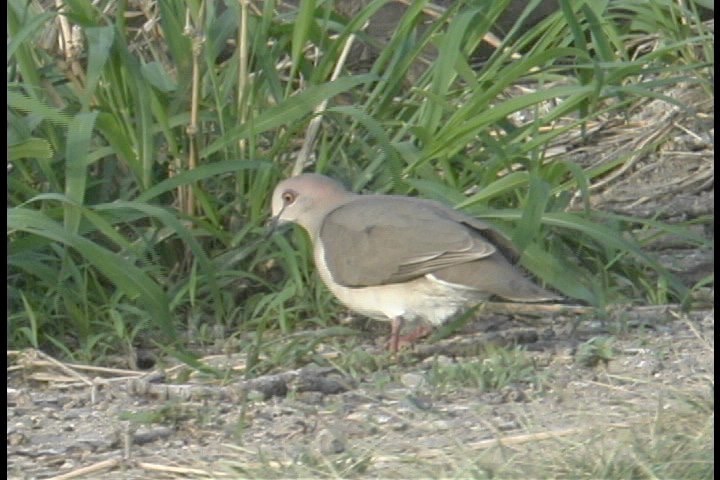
column 331, row 441
column 412, row 380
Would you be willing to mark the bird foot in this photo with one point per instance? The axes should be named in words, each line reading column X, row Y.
column 396, row 342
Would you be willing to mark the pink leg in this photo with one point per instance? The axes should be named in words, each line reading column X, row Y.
column 420, row 332
column 394, row 341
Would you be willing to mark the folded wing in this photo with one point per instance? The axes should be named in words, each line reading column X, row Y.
column 377, row 240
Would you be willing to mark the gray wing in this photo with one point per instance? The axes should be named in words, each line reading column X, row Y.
column 376, row 240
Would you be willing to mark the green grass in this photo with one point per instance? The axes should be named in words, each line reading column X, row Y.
column 142, row 162
column 497, row 369
column 596, row 351
column 674, row 445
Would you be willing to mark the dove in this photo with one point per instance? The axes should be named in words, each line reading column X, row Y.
column 399, row 258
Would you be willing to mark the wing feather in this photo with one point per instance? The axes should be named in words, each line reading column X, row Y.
column 377, row 240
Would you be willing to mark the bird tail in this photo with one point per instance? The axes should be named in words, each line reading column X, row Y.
column 494, row 275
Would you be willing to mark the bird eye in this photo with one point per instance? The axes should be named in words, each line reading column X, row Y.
column 289, row 197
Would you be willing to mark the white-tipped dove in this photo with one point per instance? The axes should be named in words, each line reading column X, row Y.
column 395, row 258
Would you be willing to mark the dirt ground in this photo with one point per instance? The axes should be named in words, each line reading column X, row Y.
column 395, row 423
column 434, row 413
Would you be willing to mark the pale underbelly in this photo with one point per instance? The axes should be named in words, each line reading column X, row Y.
column 423, row 298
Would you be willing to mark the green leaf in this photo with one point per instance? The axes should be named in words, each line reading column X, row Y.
column 532, row 212
column 610, row 238
column 200, row 173
column 76, row 160
column 127, row 277
column 376, row 130
column 99, row 41
column 444, row 69
column 177, row 227
column 179, row 44
column 301, row 27
column 436, row 190
column 30, row 148
column 508, row 183
column 34, row 106
column 289, row 111
column 155, row 73
column 27, row 31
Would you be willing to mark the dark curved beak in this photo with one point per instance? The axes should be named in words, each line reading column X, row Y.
column 274, row 224
column 270, row 226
